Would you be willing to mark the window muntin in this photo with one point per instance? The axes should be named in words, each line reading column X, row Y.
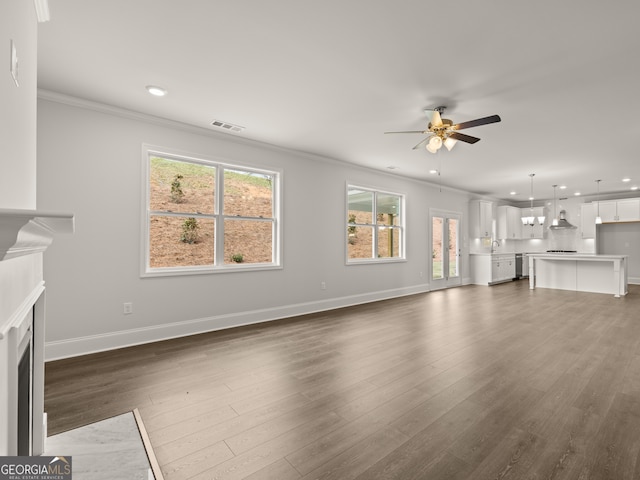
column 382, row 240
column 186, row 231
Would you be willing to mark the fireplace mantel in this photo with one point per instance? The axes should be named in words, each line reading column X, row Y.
column 24, row 235
column 24, row 232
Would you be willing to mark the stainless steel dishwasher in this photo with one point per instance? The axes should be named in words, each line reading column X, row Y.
column 519, row 273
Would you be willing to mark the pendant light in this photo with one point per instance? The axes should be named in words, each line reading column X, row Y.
column 554, row 223
column 598, row 217
column 531, row 219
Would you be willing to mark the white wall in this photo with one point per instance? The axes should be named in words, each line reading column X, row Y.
column 19, row 277
column 18, row 106
column 89, row 163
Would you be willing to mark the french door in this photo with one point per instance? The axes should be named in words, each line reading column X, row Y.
column 445, row 250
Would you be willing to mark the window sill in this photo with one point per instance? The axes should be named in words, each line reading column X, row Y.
column 179, row 271
column 375, row 261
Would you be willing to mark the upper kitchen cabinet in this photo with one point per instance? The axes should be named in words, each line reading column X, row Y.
column 588, row 220
column 624, row 210
column 628, row 210
column 509, row 222
column 481, row 218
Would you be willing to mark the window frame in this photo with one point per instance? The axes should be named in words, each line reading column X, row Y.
column 218, row 216
column 401, row 227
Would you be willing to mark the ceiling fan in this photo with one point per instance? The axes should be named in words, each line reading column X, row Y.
column 442, row 131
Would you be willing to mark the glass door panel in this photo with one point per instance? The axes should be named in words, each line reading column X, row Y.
column 445, row 250
column 436, row 247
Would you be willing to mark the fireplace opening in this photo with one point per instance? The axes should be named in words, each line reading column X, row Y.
column 24, row 403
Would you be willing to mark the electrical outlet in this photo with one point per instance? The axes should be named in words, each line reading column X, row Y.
column 128, row 308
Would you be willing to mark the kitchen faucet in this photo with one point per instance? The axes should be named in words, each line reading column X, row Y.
column 497, row 243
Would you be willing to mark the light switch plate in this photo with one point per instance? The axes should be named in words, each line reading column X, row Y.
column 14, row 63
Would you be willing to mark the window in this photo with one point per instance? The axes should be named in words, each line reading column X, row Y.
column 375, row 225
column 204, row 216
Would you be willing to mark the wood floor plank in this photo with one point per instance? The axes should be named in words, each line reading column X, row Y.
column 419, row 457
column 471, row 382
column 352, row 462
column 618, row 451
column 251, row 461
column 280, row 470
column 197, row 462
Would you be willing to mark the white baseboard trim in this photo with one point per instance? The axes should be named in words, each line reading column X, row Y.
column 74, row 347
column 634, row 280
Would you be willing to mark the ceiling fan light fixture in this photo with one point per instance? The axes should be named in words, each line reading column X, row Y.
column 435, row 142
column 450, row 143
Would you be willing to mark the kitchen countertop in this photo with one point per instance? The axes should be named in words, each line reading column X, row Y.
column 576, row 256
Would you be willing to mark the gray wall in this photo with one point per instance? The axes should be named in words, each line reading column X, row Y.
column 90, row 163
column 622, row 239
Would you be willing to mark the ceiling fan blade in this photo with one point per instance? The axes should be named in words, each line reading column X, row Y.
column 477, row 122
column 411, row 131
column 434, row 117
column 464, row 138
column 422, row 143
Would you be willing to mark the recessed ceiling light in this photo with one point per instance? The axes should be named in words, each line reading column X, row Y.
column 626, row 179
column 577, row 194
column 562, row 187
column 634, row 187
column 433, row 172
column 156, row 91
column 513, row 193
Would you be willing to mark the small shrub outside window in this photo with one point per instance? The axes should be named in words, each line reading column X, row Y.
column 207, row 216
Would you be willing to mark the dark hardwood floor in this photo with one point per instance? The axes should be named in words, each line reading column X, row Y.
column 466, row 383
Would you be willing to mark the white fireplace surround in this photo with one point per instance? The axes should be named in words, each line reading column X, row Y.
column 24, row 236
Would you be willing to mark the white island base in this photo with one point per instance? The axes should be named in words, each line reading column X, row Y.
column 579, row 272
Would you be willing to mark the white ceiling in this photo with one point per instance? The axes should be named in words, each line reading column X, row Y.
column 330, row 77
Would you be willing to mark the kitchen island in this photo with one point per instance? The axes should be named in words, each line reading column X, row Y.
column 581, row 272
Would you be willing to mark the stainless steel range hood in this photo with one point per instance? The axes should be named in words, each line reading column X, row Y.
column 563, row 223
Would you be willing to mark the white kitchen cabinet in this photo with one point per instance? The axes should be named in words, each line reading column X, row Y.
column 588, row 220
column 624, row 210
column 509, row 222
column 481, row 218
column 608, row 210
column 489, row 269
column 628, row 210
column 503, row 268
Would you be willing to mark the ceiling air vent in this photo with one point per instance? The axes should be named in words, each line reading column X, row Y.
column 230, row 127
